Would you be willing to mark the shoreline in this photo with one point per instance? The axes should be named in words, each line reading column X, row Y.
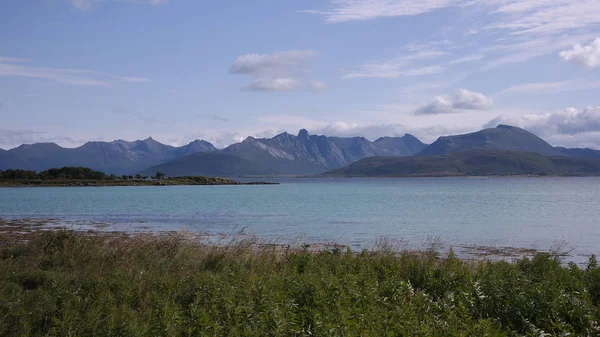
column 457, row 176
column 21, row 230
column 230, row 181
column 181, row 181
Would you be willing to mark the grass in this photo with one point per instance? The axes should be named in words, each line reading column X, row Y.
column 65, row 283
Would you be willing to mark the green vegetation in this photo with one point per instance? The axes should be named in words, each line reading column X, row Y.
column 64, row 283
column 81, row 176
column 471, row 163
column 54, row 174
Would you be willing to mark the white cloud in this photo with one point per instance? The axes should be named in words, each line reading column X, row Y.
column 219, row 139
column 471, row 100
column 372, row 132
column 399, row 66
column 571, row 120
column 515, row 16
column 63, row 76
column 318, row 85
column 287, row 120
column 584, row 55
column 426, row 133
column 273, row 84
column 462, row 100
column 351, row 10
column 439, row 105
column 76, row 77
column 271, row 64
column 550, row 87
column 279, row 71
column 429, row 86
column 81, row 4
column 429, row 70
column 11, row 138
column 432, row 45
column 545, row 17
column 467, row 59
column 135, row 79
column 87, row 4
column 412, row 64
column 570, row 127
column 524, row 50
column 530, row 28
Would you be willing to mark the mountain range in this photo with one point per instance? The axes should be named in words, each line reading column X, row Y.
column 480, row 162
column 311, row 154
column 284, row 154
column 118, row 157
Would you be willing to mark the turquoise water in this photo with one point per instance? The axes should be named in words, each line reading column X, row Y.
column 516, row 212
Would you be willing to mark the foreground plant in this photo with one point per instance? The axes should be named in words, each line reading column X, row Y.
column 65, row 283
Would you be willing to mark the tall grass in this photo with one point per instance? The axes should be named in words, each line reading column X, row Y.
column 64, row 283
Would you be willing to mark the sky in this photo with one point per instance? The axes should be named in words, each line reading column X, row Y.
column 73, row 71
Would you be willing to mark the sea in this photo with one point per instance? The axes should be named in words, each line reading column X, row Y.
column 474, row 216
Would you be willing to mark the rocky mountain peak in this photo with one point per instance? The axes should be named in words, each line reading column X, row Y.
column 303, row 135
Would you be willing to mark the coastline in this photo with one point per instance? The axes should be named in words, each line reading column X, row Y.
column 179, row 181
column 454, row 176
column 22, row 230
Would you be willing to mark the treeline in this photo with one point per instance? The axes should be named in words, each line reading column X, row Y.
column 71, row 173
column 55, row 174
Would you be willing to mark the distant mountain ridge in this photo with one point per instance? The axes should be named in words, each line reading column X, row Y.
column 470, row 163
column 579, row 152
column 503, row 137
column 118, row 157
column 283, row 154
column 309, row 154
column 287, row 154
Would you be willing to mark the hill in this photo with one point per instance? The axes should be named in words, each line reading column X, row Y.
column 210, row 164
column 503, row 137
column 470, row 163
column 118, row 157
column 405, row 145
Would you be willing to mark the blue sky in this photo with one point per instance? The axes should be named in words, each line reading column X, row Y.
column 177, row 70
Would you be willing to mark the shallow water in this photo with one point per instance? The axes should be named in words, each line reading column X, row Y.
column 500, row 212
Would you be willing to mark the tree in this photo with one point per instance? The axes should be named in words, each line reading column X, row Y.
column 66, row 172
column 138, row 176
column 159, row 175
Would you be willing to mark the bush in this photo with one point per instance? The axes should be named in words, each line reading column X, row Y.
column 66, row 283
column 53, row 174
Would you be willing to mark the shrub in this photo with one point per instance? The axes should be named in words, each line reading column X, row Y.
column 66, row 283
